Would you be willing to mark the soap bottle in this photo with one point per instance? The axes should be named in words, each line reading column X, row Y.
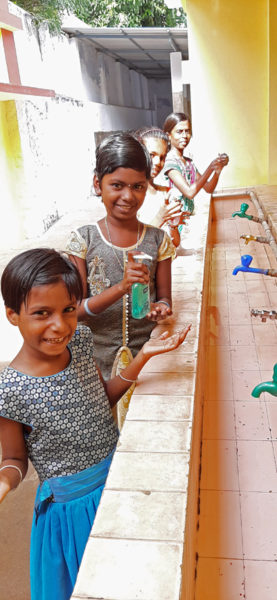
column 140, row 292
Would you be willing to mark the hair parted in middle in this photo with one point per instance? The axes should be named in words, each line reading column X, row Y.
column 153, row 132
column 173, row 119
column 121, row 150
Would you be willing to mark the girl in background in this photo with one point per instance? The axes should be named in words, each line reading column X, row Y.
column 159, row 208
column 180, row 170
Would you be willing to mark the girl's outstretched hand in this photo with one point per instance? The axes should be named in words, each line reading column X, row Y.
column 164, row 343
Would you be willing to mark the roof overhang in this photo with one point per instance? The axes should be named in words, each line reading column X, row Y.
column 144, row 49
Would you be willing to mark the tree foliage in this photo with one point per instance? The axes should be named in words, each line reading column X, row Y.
column 105, row 13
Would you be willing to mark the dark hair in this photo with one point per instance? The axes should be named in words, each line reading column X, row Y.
column 173, row 119
column 40, row 266
column 121, row 150
column 153, row 132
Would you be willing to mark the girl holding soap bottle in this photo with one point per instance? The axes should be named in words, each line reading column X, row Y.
column 103, row 253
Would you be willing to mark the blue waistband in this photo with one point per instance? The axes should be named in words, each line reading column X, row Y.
column 70, row 487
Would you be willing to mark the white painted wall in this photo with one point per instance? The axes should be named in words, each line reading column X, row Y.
column 94, row 93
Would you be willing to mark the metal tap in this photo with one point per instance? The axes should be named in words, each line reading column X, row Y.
column 254, row 238
column 264, row 314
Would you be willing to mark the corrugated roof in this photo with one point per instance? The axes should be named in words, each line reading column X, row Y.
column 144, row 49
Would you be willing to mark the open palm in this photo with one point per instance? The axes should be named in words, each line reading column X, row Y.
column 164, row 343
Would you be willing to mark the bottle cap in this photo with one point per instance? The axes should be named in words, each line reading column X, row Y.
column 142, row 256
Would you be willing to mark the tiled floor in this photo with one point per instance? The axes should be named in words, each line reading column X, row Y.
column 237, row 541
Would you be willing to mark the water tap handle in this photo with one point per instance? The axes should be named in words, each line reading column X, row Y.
column 246, row 260
column 242, row 212
column 248, row 238
column 267, row 386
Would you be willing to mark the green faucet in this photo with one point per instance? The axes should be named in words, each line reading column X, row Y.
column 267, row 386
column 242, row 213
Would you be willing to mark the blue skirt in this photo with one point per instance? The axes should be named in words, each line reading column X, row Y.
column 65, row 509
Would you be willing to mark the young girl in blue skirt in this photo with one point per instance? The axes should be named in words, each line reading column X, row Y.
column 55, row 409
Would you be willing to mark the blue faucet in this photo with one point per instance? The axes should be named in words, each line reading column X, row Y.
column 267, row 386
column 246, row 260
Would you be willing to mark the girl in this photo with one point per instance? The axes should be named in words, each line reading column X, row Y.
column 180, row 170
column 157, row 208
column 103, row 255
column 55, row 409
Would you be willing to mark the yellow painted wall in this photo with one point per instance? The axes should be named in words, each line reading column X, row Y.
column 11, row 175
column 273, row 93
column 234, row 86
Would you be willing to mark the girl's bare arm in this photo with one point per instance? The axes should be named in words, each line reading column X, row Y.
column 189, row 191
column 134, row 272
column 219, row 163
column 13, row 453
column 162, row 307
column 116, row 387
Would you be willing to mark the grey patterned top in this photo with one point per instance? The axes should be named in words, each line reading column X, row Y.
column 72, row 427
column 105, row 265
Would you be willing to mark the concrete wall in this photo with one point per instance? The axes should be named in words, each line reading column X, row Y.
column 233, row 77
column 160, row 99
column 47, row 156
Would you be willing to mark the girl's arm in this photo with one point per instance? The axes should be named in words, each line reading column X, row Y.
column 134, row 272
column 189, row 191
column 220, row 163
column 162, row 307
column 116, row 387
column 13, row 453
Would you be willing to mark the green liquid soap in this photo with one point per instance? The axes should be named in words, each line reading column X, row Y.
column 140, row 294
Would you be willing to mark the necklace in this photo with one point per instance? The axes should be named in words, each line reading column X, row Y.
column 125, row 314
column 113, row 248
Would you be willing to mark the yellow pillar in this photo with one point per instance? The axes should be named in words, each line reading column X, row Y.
column 273, row 93
column 232, row 51
column 11, row 175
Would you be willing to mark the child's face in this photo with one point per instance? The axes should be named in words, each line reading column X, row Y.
column 157, row 149
column 180, row 135
column 122, row 192
column 47, row 321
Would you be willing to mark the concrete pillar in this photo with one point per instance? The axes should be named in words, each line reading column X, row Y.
column 145, row 92
column 102, row 76
column 136, row 89
column 176, row 81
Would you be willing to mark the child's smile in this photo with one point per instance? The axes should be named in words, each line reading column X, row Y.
column 47, row 322
column 122, row 191
column 157, row 149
